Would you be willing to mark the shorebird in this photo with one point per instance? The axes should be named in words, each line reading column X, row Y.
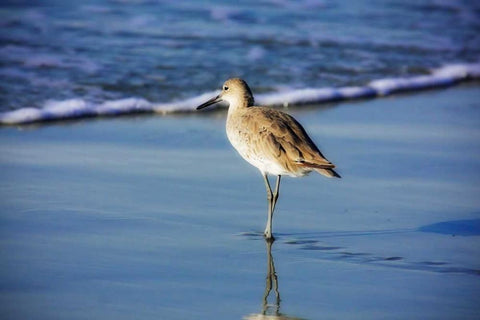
column 270, row 140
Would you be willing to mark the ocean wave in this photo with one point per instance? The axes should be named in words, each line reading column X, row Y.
column 79, row 108
column 32, row 59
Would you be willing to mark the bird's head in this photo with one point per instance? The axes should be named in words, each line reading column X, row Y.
column 235, row 92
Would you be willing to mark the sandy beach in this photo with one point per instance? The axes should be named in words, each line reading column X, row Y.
column 156, row 217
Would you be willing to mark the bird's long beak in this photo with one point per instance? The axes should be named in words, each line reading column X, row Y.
column 210, row 102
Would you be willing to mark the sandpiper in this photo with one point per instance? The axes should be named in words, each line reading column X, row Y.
column 270, row 140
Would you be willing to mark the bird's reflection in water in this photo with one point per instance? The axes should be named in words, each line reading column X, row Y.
column 270, row 311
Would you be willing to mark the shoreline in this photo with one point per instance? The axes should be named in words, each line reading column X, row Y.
column 77, row 108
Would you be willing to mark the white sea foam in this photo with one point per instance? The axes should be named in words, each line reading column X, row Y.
column 459, row 71
column 123, row 106
column 388, row 86
column 65, row 107
column 187, row 105
column 298, row 96
column 441, row 77
column 79, row 108
column 24, row 115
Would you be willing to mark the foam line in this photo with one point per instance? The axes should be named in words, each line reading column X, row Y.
column 79, row 108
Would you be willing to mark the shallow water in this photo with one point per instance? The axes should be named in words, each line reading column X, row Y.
column 157, row 217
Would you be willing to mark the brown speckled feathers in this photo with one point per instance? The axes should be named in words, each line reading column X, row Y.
column 275, row 134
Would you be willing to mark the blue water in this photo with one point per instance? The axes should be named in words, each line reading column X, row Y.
column 159, row 218
column 163, row 51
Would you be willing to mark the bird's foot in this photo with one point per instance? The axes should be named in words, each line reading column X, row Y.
column 269, row 236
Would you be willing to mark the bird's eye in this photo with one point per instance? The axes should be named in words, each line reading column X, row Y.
column 225, row 88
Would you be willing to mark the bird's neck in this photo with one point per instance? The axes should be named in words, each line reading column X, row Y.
column 240, row 103
column 235, row 110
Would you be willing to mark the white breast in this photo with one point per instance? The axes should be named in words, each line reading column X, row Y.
column 244, row 146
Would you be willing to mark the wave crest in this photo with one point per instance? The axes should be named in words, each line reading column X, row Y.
column 79, row 108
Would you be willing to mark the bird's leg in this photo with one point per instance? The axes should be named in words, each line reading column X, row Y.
column 276, row 193
column 273, row 274
column 268, row 228
column 268, row 283
column 271, row 281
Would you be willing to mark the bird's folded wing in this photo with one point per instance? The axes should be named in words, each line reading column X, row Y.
column 285, row 138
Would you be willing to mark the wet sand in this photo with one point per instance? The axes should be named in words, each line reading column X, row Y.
column 159, row 218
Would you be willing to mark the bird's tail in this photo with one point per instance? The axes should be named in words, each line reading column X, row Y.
column 328, row 173
column 325, row 169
